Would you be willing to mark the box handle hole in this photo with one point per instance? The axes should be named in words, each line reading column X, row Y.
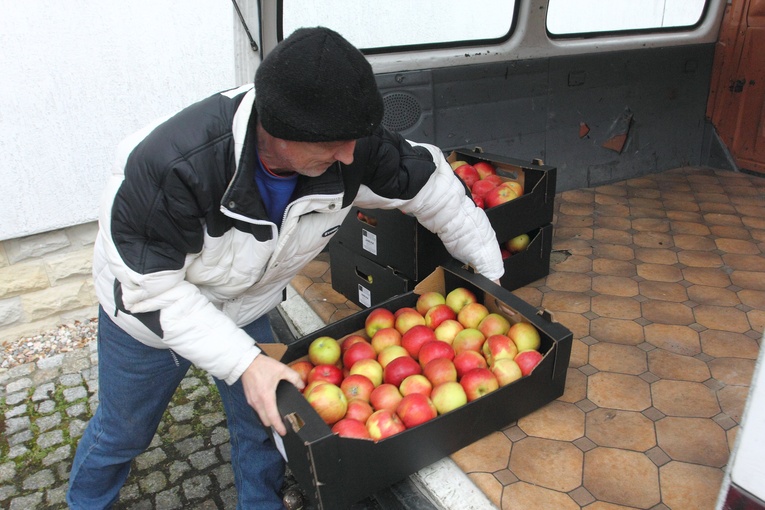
column 294, row 421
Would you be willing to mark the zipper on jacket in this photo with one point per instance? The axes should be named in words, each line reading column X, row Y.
column 175, row 358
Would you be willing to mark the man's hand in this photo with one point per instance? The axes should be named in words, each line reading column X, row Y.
column 260, row 380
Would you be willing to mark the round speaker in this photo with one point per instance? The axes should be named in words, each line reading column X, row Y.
column 402, row 111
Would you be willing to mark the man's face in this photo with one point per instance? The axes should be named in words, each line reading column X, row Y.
column 308, row 158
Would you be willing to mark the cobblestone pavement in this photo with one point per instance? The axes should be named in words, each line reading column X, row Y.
column 45, row 407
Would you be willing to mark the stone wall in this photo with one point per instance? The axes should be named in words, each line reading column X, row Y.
column 45, row 281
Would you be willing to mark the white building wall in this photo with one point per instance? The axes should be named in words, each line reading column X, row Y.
column 79, row 75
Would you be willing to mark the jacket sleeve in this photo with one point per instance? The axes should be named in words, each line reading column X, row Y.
column 417, row 179
column 153, row 225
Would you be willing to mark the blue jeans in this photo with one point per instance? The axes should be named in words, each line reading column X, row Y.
column 135, row 384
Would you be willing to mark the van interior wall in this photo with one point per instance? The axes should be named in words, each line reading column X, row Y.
column 597, row 118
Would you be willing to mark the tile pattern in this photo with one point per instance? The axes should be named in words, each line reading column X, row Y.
column 661, row 279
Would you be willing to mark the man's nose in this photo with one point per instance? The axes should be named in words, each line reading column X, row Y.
column 344, row 153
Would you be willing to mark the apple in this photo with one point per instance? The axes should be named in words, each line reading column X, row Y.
column 440, row 370
column 459, row 297
column 385, row 337
column 448, row 396
column 407, row 319
column 302, row 367
column 399, row 369
column 329, row 402
column 494, row 179
column 438, row 314
column 436, row 349
column 518, row 243
column 468, row 174
column 357, row 386
column 370, row 368
column 468, row 360
column 505, row 253
column 478, row 382
column 377, row 319
column 481, row 188
column 402, row 310
column 484, row 168
column 384, row 423
column 447, row 330
column 478, row 201
column 415, row 409
column 416, row 383
column 525, row 335
column 428, row 300
column 527, row 360
column 497, row 347
column 415, row 338
column 516, row 186
column 499, row 195
column 311, row 385
column 348, row 341
column 359, row 409
column 494, row 324
column 472, row 314
column 506, row 371
column 385, row 396
column 456, row 164
column 469, row 339
column 357, row 352
column 348, row 427
column 330, row 373
column 324, row 350
column 390, row 353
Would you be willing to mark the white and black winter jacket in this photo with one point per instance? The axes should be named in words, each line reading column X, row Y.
column 186, row 254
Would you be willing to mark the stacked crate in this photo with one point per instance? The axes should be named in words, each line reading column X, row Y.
column 378, row 254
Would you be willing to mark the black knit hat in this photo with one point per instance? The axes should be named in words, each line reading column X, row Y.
column 316, row 87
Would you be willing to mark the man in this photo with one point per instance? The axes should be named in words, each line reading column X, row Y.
column 206, row 220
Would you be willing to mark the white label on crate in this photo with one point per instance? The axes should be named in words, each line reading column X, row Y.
column 279, row 443
column 365, row 296
column 369, row 241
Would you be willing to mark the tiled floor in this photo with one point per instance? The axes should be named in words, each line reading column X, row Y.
column 661, row 279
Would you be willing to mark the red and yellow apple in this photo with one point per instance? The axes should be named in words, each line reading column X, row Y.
column 472, row 314
column 385, row 396
column 468, row 174
column 447, row 330
column 359, row 410
column 478, row 382
column 428, row 300
column 385, row 337
column 329, row 373
column 494, row 324
column 384, row 423
column 527, row 360
column 484, row 169
column 469, row 339
column 415, row 338
column 329, row 402
column 506, row 371
column 499, row 195
column 518, row 243
column 407, row 319
column 302, row 367
column 448, row 396
column 348, row 427
column 497, row 347
column 377, row 319
column 415, row 409
column 324, row 350
column 459, row 297
column 468, row 360
column 357, row 386
column 435, row 349
column 416, row 383
column 438, row 314
column 525, row 335
column 399, row 369
column 440, row 370
column 370, row 368
column 390, row 353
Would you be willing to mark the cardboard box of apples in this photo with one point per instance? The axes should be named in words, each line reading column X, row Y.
column 516, row 196
column 401, row 385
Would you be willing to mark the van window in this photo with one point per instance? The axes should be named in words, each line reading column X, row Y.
column 402, row 24
column 578, row 17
